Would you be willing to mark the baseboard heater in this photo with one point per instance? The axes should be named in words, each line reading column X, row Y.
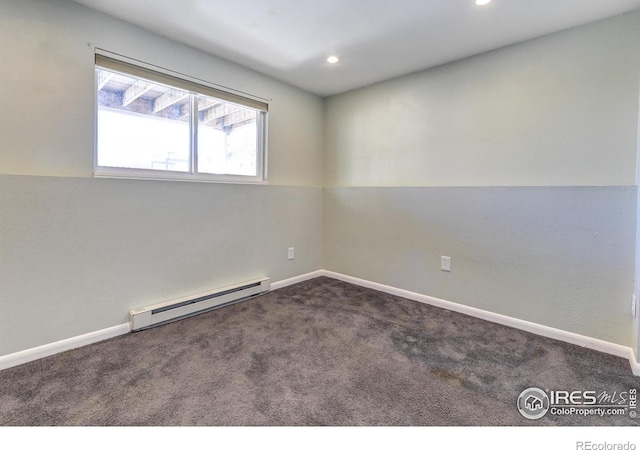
column 180, row 308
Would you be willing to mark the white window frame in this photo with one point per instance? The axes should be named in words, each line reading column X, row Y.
column 130, row 67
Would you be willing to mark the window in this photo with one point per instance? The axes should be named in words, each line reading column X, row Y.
column 154, row 125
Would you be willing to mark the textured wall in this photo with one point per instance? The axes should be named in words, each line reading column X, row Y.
column 47, row 121
column 76, row 253
column 636, row 290
column 560, row 257
column 523, row 164
column 556, row 111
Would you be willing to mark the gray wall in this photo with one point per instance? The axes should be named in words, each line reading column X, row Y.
column 555, row 111
column 79, row 253
column 76, row 253
column 560, row 257
column 636, row 290
column 519, row 164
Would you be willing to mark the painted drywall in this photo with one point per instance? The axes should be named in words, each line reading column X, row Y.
column 76, row 252
column 636, row 328
column 48, row 91
column 636, row 290
column 556, row 111
column 559, row 257
column 519, row 163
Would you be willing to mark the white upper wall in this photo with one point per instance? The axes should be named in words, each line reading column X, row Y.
column 560, row 110
column 47, row 79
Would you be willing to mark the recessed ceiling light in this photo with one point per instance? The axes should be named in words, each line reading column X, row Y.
column 482, row 2
column 333, row 59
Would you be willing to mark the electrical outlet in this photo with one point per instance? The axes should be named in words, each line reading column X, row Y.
column 634, row 305
column 291, row 253
column 445, row 263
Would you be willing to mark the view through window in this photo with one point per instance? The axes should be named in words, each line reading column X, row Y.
column 148, row 126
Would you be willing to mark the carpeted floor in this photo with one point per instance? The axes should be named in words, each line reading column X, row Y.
column 322, row 352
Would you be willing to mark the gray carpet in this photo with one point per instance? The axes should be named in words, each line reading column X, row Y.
column 322, row 352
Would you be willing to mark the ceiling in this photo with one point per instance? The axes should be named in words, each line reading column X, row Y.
column 375, row 39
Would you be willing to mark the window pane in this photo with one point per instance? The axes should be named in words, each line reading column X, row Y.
column 142, row 125
column 227, row 138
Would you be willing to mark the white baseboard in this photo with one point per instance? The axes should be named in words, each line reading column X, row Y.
column 541, row 330
column 298, row 279
column 635, row 366
column 25, row 356
column 32, row 354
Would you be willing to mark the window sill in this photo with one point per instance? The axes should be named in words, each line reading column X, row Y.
column 176, row 176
